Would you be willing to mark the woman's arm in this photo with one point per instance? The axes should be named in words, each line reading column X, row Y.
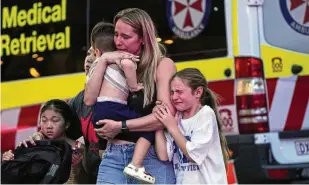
column 165, row 71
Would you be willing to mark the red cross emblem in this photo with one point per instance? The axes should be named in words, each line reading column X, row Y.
column 188, row 18
column 296, row 4
column 189, row 4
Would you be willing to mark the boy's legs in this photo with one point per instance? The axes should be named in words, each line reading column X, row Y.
column 135, row 169
column 141, row 149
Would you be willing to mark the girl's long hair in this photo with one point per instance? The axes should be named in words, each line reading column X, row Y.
column 194, row 79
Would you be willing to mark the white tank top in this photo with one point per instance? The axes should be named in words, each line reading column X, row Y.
column 116, row 77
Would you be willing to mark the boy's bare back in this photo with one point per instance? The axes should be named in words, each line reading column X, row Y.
column 119, row 80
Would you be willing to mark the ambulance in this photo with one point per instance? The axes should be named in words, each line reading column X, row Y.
column 254, row 54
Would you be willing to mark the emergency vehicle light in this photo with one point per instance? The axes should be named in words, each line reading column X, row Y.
column 251, row 102
column 255, row 119
column 256, row 111
column 278, row 173
column 252, row 113
column 250, row 86
column 248, row 67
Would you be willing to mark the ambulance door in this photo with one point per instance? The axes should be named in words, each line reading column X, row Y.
column 284, row 44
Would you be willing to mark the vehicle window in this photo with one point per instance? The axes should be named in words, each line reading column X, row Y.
column 286, row 24
column 199, row 25
column 42, row 38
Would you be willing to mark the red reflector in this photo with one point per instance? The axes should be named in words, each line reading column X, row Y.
column 253, row 128
column 278, row 173
column 248, row 67
column 251, row 101
column 250, row 123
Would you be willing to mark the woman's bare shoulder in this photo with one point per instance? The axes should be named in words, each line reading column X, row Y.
column 166, row 66
column 166, row 61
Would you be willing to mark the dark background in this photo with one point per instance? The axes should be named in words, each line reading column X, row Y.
column 82, row 15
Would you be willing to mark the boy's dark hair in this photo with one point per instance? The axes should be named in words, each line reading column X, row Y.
column 102, row 36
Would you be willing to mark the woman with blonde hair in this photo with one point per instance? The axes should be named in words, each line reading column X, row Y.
column 135, row 33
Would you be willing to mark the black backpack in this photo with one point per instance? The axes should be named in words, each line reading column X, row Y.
column 48, row 162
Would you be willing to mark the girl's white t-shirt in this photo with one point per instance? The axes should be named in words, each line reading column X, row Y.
column 203, row 147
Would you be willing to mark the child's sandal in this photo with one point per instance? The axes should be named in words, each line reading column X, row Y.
column 139, row 174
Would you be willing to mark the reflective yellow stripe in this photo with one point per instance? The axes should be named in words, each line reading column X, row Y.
column 28, row 92
column 235, row 27
column 34, row 91
column 213, row 69
column 278, row 62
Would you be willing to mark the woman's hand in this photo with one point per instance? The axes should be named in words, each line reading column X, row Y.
column 164, row 115
column 7, row 156
column 116, row 57
column 109, row 128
